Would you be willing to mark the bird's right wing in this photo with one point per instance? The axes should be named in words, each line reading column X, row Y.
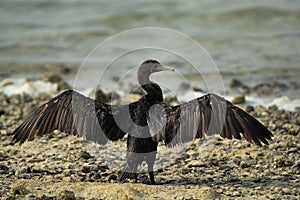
column 75, row 114
column 206, row 115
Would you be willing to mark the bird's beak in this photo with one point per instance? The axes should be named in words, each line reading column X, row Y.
column 166, row 68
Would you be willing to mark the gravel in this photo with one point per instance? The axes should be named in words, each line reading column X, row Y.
column 57, row 166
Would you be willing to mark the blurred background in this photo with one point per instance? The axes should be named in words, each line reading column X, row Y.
column 255, row 44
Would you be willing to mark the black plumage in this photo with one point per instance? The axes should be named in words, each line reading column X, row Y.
column 147, row 121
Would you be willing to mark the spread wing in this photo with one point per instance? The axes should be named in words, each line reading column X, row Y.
column 206, row 115
column 75, row 114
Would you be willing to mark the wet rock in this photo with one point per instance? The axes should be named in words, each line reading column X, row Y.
column 197, row 89
column 239, row 99
column 55, row 78
column 65, row 69
column 273, row 108
column 244, row 89
column 270, row 88
column 235, row 83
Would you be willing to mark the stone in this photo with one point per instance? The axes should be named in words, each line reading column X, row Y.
column 112, row 177
column 196, row 163
column 244, row 164
column 240, row 99
column 243, row 88
column 67, row 195
column 85, row 155
column 85, row 169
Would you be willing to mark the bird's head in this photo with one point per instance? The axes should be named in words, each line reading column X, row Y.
column 152, row 66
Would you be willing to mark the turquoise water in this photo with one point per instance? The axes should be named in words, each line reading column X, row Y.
column 254, row 41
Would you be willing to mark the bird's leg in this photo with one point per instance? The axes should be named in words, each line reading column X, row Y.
column 150, row 162
column 127, row 172
column 135, row 177
column 151, row 175
column 130, row 168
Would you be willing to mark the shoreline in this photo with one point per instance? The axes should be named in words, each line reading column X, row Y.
column 235, row 91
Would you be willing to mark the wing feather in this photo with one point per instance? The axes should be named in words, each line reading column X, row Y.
column 75, row 114
column 211, row 114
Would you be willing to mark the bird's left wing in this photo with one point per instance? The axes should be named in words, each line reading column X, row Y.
column 75, row 114
column 207, row 115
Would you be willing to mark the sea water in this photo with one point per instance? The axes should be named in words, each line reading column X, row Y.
column 256, row 41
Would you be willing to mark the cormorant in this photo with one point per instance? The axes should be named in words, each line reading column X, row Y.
column 147, row 121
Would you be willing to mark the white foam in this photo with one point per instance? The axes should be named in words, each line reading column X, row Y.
column 286, row 103
column 21, row 85
column 283, row 102
column 34, row 88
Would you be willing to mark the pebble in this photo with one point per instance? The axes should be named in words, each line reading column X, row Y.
column 269, row 88
column 249, row 108
column 286, row 191
column 112, row 177
column 236, row 194
column 4, row 169
column 271, row 171
column 196, row 163
column 85, row 169
column 237, row 160
column 244, row 164
column 67, row 195
column 243, row 88
column 85, row 155
column 293, row 129
column 55, row 78
column 239, row 99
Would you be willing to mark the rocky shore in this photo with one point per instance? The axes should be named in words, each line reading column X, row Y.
column 57, row 166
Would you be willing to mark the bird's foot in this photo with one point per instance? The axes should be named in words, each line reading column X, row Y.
column 125, row 176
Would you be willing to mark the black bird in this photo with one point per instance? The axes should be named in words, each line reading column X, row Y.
column 147, row 121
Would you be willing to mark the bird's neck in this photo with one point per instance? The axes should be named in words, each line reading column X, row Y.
column 153, row 90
